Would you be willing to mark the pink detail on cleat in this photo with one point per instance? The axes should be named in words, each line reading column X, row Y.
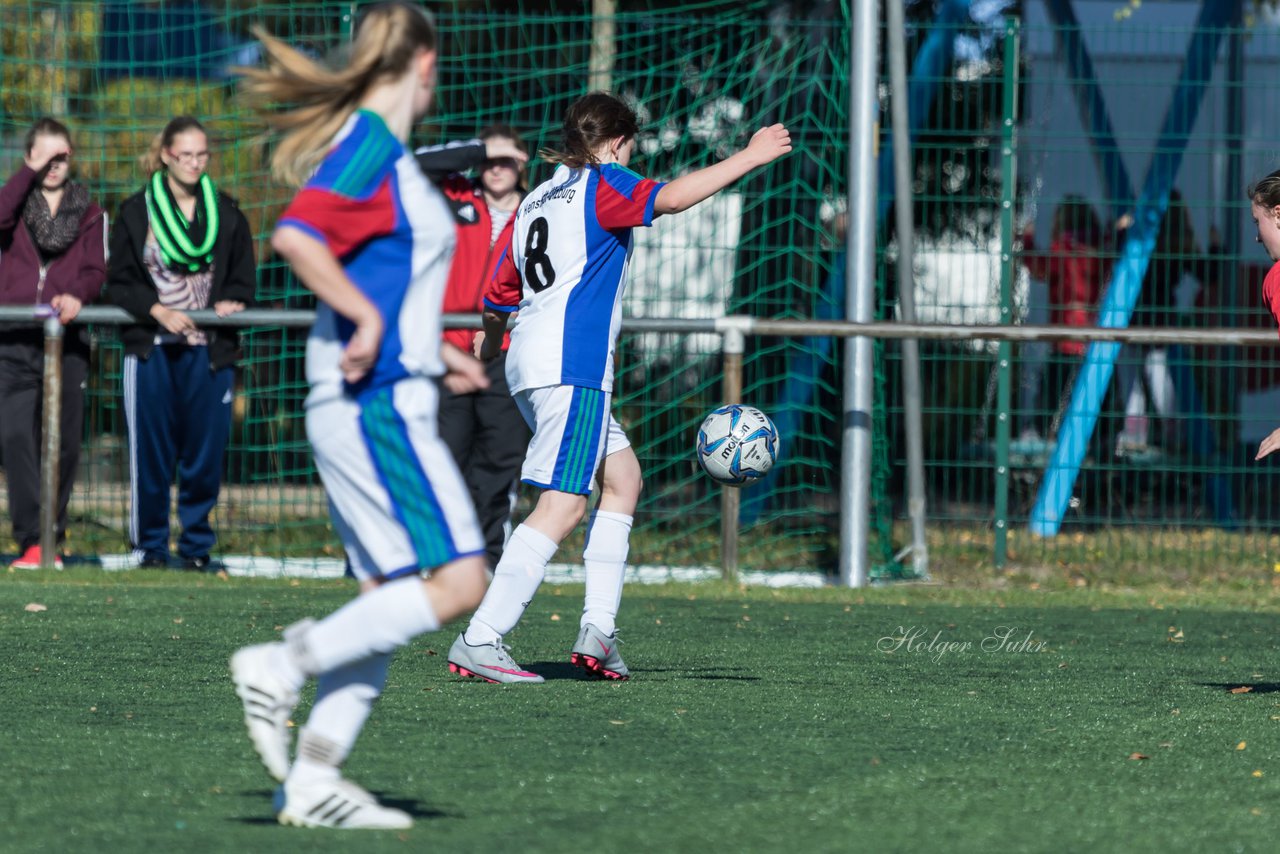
column 462, row 671
column 591, row 664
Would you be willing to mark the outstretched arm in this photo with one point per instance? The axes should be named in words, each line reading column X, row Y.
column 766, row 146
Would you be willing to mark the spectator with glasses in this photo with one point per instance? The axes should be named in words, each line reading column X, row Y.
column 179, row 245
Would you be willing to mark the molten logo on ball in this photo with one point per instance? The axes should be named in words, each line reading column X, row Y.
column 737, row 444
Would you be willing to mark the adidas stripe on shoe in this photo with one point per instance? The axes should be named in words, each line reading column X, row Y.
column 339, row 804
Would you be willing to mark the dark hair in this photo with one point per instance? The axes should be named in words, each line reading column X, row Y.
column 151, row 161
column 591, row 121
column 47, row 127
column 1266, row 192
column 505, row 130
column 1076, row 216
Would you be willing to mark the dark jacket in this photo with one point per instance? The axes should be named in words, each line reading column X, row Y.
column 130, row 286
column 80, row 271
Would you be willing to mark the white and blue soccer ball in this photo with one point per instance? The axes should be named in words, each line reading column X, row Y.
column 737, row 444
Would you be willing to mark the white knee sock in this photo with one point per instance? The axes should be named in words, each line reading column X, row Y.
column 344, row 699
column 605, row 558
column 515, row 580
column 378, row 622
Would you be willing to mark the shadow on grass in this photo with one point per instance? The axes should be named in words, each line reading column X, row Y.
column 706, row 673
column 1254, row 687
column 550, row 670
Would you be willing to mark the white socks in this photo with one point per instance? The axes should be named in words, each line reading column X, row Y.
column 375, row 623
column 605, row 560
column 515, row 580
column 344, row 699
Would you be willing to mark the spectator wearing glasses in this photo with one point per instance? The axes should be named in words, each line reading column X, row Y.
column 179, row 245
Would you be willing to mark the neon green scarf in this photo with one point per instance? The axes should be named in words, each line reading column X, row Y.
column 183, row 244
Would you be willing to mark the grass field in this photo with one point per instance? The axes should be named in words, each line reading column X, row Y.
column 756, row 720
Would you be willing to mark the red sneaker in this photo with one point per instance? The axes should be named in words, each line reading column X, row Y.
column 31, row 559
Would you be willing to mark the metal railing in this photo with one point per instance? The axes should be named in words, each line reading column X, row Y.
column 733, row 331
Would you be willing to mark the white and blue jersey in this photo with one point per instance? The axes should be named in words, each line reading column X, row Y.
column 566, row 275
column 397, row 499
column 393, row 232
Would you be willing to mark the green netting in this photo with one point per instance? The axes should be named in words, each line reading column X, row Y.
column 703, row 75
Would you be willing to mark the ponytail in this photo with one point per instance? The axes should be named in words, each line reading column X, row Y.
column 309, row 102
column 590, row 122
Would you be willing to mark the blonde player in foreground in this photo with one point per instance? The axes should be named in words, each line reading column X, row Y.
column 566, row 276
column 372, row 238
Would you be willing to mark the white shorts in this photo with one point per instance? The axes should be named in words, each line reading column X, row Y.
column 398, row 502
column 573, row 431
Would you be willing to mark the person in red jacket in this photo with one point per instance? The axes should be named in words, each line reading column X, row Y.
column 483, row 429
column 52, row 239
column 1074, row 268
column 1264, row 198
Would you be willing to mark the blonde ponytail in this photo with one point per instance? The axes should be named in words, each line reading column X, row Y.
column 308, row 102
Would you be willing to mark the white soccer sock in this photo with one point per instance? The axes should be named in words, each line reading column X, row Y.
column 605, row 559
column 344, row 699
column 515, row 580
column 377, row 622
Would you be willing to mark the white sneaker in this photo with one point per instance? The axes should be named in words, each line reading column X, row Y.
column 338, row 803
column 268, row 701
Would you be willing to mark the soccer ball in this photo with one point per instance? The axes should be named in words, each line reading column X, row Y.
column 737, row 444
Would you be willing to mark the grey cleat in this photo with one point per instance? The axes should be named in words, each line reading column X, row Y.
column 597, row 653
column 488, row 661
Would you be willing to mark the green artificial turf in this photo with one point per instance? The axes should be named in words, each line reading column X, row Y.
column 756, row 720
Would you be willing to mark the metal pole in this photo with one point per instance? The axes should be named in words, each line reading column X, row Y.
column 904, row 230
column 603, row 45
column 1229, row 297
column 855, row 480
column 1008, row 182
column 51, row 442
column 730, row 496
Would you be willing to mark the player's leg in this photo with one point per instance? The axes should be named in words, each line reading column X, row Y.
column 390, row 526
column 605, row 559
column 149, row 415
column 569, row 429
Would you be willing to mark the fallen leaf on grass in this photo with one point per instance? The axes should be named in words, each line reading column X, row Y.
column 1241, row 746
column 35, row 607
column 1257, row 773
column 1243, row 689
column 1139, row 756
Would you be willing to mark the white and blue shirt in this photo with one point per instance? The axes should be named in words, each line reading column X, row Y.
column 393, row 233
column 566, row 273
